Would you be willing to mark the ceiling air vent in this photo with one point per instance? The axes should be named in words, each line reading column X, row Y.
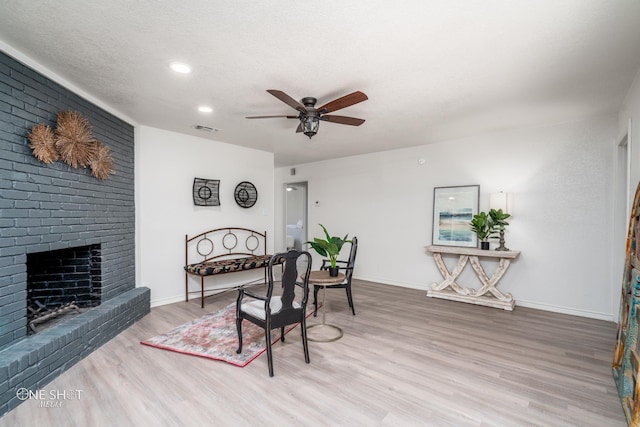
column 205, row 128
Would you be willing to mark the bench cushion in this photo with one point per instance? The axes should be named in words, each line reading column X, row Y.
column 209, row 268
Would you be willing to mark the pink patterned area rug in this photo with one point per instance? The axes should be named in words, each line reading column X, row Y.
column 215, row 336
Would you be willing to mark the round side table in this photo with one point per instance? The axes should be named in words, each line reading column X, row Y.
column 322, row 278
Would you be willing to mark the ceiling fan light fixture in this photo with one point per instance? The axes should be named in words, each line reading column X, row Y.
column 310, row 116
column 310, row 125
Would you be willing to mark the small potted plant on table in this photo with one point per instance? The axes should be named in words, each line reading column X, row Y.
column 482, row 224
column 330, row 248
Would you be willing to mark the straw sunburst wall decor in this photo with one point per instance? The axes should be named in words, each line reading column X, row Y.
column 43, row 143
column 73, row 142
column 102, row 162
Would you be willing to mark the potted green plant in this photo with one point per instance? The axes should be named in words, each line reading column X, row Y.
column 330, row 248
column 482, row 225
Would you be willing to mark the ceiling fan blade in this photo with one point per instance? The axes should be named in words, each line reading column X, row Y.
column 270, row 117
column 352, row 121
column 287, row 100
column 343, row 102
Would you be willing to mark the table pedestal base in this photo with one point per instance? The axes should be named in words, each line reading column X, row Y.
column 488, row 294
column 472, row 299
column 325, row 333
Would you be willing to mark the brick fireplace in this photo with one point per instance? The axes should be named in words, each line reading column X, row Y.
column 60, row 282
column 67, row 213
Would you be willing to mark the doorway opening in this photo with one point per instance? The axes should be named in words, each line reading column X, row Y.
column 295, row 215
column 621, row 212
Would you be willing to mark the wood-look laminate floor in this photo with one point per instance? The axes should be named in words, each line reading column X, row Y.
column 404, row 360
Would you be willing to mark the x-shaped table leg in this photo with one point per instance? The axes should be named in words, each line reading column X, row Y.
column 450, row 278
column 489, row 284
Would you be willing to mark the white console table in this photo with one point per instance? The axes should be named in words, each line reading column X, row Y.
column 488, row 294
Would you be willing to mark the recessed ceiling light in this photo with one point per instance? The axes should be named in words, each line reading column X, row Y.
column 181, row 68
column 205, row 109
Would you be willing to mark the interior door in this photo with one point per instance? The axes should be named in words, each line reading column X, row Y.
column 295, row 215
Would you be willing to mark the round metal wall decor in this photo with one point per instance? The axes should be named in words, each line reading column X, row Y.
column 205, row 192
column 246, row 194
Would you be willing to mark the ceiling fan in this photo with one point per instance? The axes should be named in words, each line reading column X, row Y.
column 310, row 116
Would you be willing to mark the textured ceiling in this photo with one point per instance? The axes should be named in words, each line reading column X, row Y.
column 433, row 70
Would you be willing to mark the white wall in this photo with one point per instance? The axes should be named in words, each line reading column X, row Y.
column 561, row 177
column 166, row 164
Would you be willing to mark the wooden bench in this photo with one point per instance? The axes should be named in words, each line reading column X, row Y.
column 224, row 250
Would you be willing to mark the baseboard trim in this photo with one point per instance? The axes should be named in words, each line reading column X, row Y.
column 565, row 310
column 165, row 301
column 393, row 283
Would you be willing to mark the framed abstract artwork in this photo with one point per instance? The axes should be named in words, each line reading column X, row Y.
column 453, row 209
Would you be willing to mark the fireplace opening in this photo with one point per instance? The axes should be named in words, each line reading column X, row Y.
column 62, row 283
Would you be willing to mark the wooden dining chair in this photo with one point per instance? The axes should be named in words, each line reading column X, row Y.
column 272, row 311
column 347, row 268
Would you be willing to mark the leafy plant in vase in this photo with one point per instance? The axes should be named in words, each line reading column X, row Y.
column 482, row 225
column 329, row 248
